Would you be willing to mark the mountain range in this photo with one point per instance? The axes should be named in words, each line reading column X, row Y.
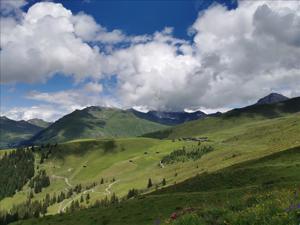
column 169, row 118
column 13, row 132
column 96, row 122
column 100, row 122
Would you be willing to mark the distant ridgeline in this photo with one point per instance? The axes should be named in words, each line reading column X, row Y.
column 101, row 122
column 13, row 132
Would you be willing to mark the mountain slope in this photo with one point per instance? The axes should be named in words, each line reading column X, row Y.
column 272, row 98
column 280, row 167
column 230, row 119
column 169, row 118
column 39, row 122
column 12, row 132
column 95, row 122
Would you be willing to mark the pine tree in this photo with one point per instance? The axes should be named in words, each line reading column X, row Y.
column 87, row 199
column 30, row 195
column 164, row 182
column 149, row 183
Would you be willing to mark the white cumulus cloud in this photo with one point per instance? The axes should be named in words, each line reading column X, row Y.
column 234, row 57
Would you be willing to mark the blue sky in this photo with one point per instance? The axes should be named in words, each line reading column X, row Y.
column 164, row 26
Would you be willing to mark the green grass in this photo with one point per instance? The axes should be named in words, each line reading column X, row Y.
column 280, row 167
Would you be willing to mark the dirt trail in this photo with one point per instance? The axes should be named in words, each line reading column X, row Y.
column 61, row 177
column 62, row 207
column 109, row 187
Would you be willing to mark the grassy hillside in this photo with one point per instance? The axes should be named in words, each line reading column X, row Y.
column 262, row 191
column 233, row 118
column 12, row 132
column 96, row 122
column 39, row 123
column 279, row 168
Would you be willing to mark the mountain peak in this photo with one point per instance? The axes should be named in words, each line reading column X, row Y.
column 272, row 98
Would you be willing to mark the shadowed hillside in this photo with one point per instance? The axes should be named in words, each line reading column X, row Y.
column 12, row 132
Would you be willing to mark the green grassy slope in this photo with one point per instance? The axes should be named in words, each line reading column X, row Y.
column 230, row 119
column 12, row 132
column 255, row 192
column 39, row 123
column 96, row 122
column 279, row 168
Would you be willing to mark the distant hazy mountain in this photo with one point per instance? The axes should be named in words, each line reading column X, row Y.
column 272, row 98
column 96, row 122
column 169, row 118
column 12, row 132
column 39, row 122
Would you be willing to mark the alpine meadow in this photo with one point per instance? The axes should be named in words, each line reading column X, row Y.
column 150, row 112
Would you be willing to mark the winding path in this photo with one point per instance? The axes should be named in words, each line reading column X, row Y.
column 107, row 192
column 65, row 178
column 109, row 187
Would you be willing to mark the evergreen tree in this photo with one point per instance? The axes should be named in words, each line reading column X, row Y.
column 16, row 169
column 149, row 183
column 132, row 193
column 87, row 199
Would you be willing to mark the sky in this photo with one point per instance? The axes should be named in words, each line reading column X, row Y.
column 58, row 56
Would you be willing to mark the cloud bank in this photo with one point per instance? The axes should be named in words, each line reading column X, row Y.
column 234, row 57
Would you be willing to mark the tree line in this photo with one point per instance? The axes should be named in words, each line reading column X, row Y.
column 41, row 180
column 17, row 168
column 182, row 155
